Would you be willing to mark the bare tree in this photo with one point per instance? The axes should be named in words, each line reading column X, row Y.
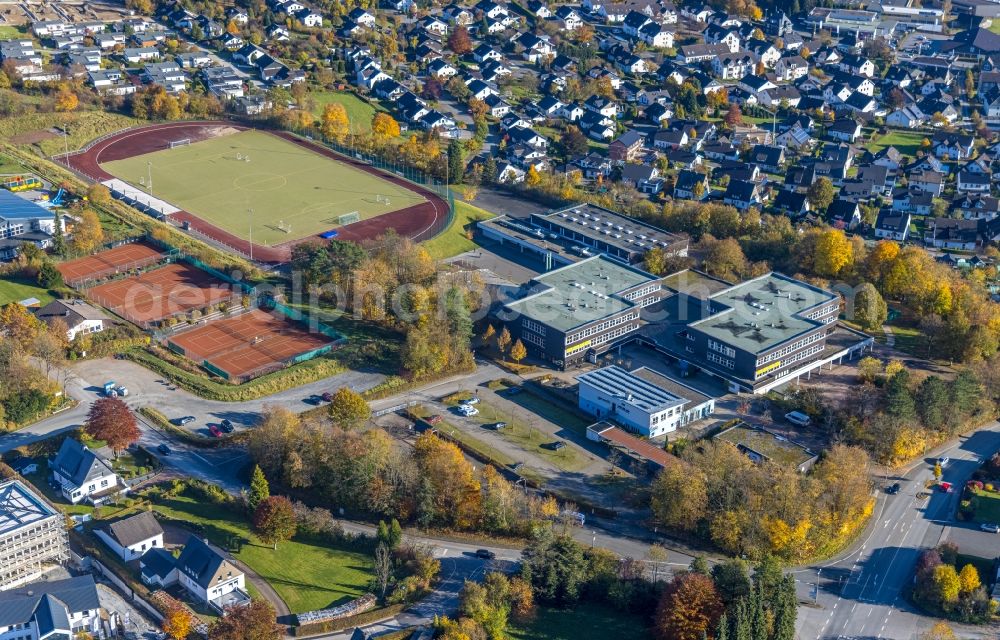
column 382, row 569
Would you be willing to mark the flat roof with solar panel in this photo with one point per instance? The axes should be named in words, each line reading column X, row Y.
column 612, row 233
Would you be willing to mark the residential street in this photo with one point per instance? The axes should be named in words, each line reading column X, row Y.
column 863, row 594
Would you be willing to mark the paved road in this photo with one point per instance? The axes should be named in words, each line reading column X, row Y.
column 863, row 595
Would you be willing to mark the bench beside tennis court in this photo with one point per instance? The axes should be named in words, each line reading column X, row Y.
column 171, row 290
column 126, row 257
column 249, row 343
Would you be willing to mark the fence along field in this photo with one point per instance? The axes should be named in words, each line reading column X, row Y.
column 121, row 259
column 156, row 295
column 260, row 187
column 249, row 344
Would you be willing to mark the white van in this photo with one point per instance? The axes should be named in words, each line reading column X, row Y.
column 798, row 418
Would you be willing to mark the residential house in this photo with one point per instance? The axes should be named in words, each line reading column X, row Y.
column 78, row 316
column 82, row 475
column 133, row 536
column 627, row 147
column 56, row 610
column 767, row 157
column 742, row 194
column 908, row 117
column 912, row 200
column 843, row 214
column 892, row 225
column 949, row 233
column 686, row 185
column 953, row 146
column 844, row 130
column 927, row 180
column 973, row 182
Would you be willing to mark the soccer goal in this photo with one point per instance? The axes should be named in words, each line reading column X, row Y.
column 382, row 199
column 179, row 143
column 284, row 226
column 348, row 218
column 240, row 157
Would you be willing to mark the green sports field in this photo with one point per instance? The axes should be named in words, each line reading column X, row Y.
column 293, row 192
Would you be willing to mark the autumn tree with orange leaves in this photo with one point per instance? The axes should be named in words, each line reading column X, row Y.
column 112, row 421
column 689, row 609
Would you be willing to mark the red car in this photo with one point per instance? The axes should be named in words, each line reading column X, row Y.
column 945, row 486
column 434, row 419
column 215, row 430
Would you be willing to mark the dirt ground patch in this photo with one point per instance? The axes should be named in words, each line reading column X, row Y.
column 33, row 137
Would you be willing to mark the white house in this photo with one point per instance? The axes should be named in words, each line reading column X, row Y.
column 208, row 576
column 82, row 475
column 80, row 317
column 644, row 401
column 132, row 537
column 54, row 611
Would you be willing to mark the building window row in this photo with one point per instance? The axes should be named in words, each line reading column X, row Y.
column 531, row 325
column 789, row 348
column 833, row 308
column 722, row 348
column 718, row 359
column 597, row 328
column 611, row 335
column 533, row 339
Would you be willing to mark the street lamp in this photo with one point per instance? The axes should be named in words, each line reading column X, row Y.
column 149, row 177
column 774, row 121
column 250, row 212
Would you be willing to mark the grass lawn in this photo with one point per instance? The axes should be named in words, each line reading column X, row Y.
column 995, row 26
column 910, row 340
column 987, row 506
column 83, row 126
column 40, row 480
column 551, row 411
column 530, row 439
column 9, row 165
column 282, row 183
column 359, row 112
column 307, row 576
column 586, row 622
column 17, row 290
column 906, row 142
column 454, row 240
column 8, row 32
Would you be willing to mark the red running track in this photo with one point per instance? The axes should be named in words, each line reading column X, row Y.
column 419, row 222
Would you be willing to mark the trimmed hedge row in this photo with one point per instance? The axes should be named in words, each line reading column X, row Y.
column 359, row 620
column 203, row 386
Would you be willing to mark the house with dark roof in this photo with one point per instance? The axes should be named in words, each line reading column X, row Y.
column 57, row 610
column 685, row 186
column 843, row 214
column 949, row 233
column 79, row 317
column 791, row 203
column 208, row 576
column 626, row 147
column 742, row 194
column 954, row 146
column 83, row 475
column 892, row 225
column 767, row 157
column 133, row 536
column 978, row 207
column 912, row 200
column 844, row 130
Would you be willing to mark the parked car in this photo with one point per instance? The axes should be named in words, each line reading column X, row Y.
column 943, row 460
column 496, row 426
column 185, row 420
column 467, row 410
column 555, row 446
column 798, row 418
column 226, row 426
column 433, row 419
column 472, row 400
column 327, row 396
column 990, row 527
column 485, row 554
column 893, row 488
column 945, row 487
column 215, row 431
column 164, row 449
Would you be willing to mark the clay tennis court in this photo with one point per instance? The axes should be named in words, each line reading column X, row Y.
column 161, row 293
column 247, row 343
column 106, row 263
